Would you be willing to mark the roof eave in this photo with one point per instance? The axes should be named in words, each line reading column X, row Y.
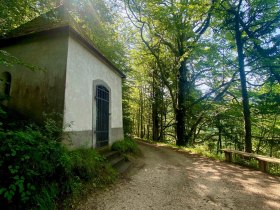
column 6, row 41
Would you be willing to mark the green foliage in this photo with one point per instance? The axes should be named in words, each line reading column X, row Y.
column 273, row 169
column 88, row 165
column 204, row 150
column 45, row 199
column 101, row 24
column 248, row 162
column 169, row 33
column 14, row 13
column 214, row 114
column 29, row 161
column 9, row 60
column 50, row 126
column 36, row 169
column 126, row 146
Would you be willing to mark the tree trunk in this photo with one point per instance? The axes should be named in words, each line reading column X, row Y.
column 148, row 131
column 219, row 142
column 181, row 106
column 144, row 131
column 155, row 122
column 270, row 148
column 192, row 130
column 155, row 107
column 141, row 114
column 163, row 117
column 138, row 122
column 245, row 97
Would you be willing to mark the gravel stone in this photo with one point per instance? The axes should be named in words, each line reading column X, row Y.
column 165, row 179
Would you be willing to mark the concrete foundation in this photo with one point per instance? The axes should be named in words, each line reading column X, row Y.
column 116, row 135
column 74, row 139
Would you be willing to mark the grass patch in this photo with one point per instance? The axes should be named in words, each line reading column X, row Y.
column 201, row 150
column 273, row 169
column 89, row 165
column 247, row 162
column 92, row 171
column 198, row 149
column 126, row 146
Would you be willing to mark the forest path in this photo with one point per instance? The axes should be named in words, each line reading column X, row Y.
column 166, row 179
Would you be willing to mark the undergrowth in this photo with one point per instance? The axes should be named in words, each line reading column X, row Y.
column 127, row 146
column 202, row 150
column 196, row 149
column 38, row 172
column 273, row 169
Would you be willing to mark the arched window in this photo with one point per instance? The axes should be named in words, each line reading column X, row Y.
column 5, row 83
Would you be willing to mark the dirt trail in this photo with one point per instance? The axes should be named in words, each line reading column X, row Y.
column 171, row 180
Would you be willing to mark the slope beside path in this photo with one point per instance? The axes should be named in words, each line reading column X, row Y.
column 166, row 179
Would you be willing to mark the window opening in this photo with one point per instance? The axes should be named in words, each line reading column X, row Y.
column 5, row 83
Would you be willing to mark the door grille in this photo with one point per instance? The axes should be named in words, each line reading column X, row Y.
column 102, row 116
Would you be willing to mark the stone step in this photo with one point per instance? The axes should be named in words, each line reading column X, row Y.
column 124, row 167
column 116, row 162
column 111, row 155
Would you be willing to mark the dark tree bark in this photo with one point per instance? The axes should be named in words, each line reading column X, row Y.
column 219, row 143
column 155, row 108
column 245, row 97
column 182, row 108
column 141, row 114
column 148, row 131
column 155, row 123
column 191, row 132
column 138, row 122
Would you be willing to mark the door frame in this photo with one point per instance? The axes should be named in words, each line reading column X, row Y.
column 95, row 83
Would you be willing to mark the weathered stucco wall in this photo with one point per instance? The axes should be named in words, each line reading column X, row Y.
column 84, row 72
column 33, row 93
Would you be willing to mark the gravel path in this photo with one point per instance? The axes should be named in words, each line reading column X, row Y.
column 166, row 179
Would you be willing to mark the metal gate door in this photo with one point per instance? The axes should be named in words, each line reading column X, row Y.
column 102, row 116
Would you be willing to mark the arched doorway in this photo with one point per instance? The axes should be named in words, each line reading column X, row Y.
column 102, row 116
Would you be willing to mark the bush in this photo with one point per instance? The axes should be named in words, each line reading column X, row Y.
column 29, row 162
column 36, row 169
column 126, row 146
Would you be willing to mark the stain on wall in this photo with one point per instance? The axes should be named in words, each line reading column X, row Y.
column 36, row 92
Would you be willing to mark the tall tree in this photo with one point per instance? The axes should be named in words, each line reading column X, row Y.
column 170, row 30
column 240, row 18
column 14, row 13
